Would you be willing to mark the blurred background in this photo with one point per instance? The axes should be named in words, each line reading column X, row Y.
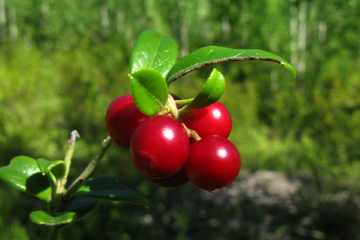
column 63, row 62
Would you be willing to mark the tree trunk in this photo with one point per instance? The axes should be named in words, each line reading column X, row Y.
column 2, row 21
column 302, row 38
column 104, row 19
column 13, row 24
column 183, row 29
column 120, row 21
column 322, row 31
column 293, row 35
column 245, row 34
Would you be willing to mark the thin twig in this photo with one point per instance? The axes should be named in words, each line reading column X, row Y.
column 88, row 170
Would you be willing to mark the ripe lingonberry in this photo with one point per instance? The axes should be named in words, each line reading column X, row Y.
column 176, row 180
column 159, row 147
column 213, row 162
column 122, row 118
column 212, row 120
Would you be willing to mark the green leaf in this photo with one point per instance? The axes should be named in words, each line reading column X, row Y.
column 109, row 188
column 81, row 206
column 24, row 174
column 152, row 50
column 212, row 90
column 55, row 168
column 149, row 90
column 212, row 55
column 45, row 218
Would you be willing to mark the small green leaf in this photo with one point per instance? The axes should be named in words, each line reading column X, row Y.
column 149, row 90
column 81, row 206
column 212, row 90
column 213, row 54
column 56, row 168
column 45, row 218
column 24, row 174
column 109, row 188
column 152, row 50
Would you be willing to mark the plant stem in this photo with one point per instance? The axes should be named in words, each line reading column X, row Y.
column 88, row 170
column 69, row 154
column 172, row 106
column 53, row 233
column 60, row 185
column 184, row 102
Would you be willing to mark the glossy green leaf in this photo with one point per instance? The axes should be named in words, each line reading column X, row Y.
column 149, row 90
column 212, row 55
column 24, row 174
column 212, row 90
column 109, row 188
column 45, row 218
column 81, row 206
column 55, row 168
column 152, row 50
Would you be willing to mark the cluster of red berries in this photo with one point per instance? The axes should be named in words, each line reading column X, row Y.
column 166, row 151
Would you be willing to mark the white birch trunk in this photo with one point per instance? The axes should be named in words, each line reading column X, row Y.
column 293, row 35
column 13, row 29
column 104, row 19
column 120, row 21
column 225, row 27
column 322, row 31
column 245, row 34
column 302, row 38
column 183, row 29
column 2, row 21
column 45, row 11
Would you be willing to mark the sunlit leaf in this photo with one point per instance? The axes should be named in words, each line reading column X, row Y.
column 149, row 90
column 55, row 168
column 152, row 50
column 213, row 54
column 24, row 174
column 109, row 188
column 211, row 92
column 45, row 218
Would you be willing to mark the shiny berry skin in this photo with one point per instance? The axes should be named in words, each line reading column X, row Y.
column 213, row 162
column 212, row 120
column 122, row 118
column 178, row 179
column 159, row 147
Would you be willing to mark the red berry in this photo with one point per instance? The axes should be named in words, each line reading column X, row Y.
column 176, row 180
column 213, row 162
column 159, row 147
column 122, row 118
column 212, row 120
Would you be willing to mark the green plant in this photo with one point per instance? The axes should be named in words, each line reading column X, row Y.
column 153, row 67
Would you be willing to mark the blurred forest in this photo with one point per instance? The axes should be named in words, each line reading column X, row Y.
column 63, row 62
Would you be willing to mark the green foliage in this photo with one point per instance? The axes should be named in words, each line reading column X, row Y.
column 44, row 218
column 149, row 90
column 65, row 66
column 24, row 174
column 55, row 169
column 109, row 188
column 213, row 54
column 152, row 50
column 80, row 206
column 154, row 55
column 211, row 92
column 47, row 179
